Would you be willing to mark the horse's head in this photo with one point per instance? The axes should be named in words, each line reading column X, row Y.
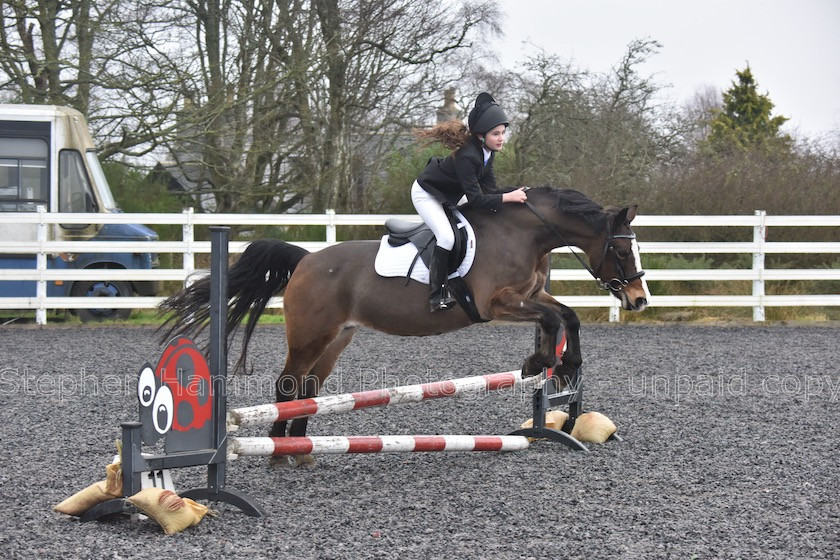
column 603, row 233
column 615, row 261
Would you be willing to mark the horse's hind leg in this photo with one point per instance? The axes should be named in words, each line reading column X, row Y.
column 311, row 384
column 287, row 387
column 319, row 373
column 301, row 358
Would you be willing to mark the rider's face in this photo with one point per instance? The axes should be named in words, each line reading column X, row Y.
column 494, row 139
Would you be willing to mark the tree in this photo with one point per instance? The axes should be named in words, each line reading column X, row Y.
column 105, row 59
column 382, row 66
column 744, row 162
column 602, row 134
column 263, row 104
column 745, row 121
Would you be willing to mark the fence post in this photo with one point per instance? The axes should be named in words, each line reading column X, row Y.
column 615, row 310
column 41, row 265
column 759, row 236
column 188, row 235
column 331, row 236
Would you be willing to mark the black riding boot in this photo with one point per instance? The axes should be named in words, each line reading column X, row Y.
column 439, row 296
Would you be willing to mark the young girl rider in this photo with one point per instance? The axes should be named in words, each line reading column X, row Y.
column 464, row 177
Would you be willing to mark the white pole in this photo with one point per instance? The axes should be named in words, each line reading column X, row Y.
column 759, row 237
column 41, row 265
column 188, row 235
column 331, row 227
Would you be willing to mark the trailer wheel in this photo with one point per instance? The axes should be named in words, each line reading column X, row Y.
column 104, row 290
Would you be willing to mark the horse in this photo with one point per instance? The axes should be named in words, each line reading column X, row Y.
column 329, row 294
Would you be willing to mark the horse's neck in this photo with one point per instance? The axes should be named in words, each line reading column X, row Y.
column 517, row 223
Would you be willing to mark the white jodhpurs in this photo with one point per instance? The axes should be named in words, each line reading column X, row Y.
column 433, row 214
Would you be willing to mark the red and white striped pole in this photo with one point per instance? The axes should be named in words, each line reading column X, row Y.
column 323, row 445
column 347, row 402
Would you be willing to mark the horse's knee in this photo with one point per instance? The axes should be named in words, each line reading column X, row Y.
column 572, row 321
column 551, row 322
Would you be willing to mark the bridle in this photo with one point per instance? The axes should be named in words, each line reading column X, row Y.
column 614, row 285
column 617, row 284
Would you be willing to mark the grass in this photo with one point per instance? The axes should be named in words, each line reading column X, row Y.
column 147, row 317
column 138, row 317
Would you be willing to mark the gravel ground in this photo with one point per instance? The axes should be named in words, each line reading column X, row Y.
column 730, row 451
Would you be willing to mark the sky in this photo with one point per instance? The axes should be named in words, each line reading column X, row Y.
column 792, row 46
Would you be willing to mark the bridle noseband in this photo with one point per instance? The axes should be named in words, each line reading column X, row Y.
column 614, row 285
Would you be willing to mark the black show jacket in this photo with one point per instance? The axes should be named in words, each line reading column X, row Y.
column 463, row 173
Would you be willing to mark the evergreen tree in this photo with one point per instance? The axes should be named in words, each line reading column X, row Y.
column 745, row 121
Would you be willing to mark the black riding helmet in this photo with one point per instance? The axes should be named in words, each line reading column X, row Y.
column 486, row 115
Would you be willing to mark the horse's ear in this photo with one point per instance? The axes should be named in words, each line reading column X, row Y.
column 631, row 213
column 624, row 216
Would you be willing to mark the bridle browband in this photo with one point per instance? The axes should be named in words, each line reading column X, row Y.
column 614, row 285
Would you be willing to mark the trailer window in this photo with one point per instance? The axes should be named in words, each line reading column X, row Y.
column 24, row 183
column 101, row 181
column 74, row 192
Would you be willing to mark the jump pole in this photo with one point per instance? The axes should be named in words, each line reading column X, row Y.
column 348, row 402
column 332, row 445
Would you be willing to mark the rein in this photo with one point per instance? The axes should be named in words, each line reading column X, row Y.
column 614, row 285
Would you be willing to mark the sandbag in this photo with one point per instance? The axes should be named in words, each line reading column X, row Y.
column 593, row 427
column 172, row 512
column 554, row 419
column 83, row 500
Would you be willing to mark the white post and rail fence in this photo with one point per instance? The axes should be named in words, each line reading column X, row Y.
column 188, row 247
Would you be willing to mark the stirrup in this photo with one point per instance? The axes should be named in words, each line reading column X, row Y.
column 442, row 305
column 443, row 302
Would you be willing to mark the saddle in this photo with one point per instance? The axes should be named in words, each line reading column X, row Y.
column 403, row 232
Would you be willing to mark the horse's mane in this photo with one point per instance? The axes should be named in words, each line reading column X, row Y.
column 570, row 201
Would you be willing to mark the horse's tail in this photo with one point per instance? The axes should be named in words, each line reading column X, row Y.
column 261, row 272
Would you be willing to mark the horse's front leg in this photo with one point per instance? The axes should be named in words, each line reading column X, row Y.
column 567, row 365
column 510, row 305
column 572, row 357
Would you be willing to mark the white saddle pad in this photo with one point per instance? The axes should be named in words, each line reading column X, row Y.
column 395, row 261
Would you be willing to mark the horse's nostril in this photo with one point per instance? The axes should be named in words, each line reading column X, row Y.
column 641, row 303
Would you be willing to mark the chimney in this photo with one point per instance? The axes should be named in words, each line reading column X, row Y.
column 449, row 110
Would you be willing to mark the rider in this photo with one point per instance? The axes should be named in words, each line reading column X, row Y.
column 465, row 176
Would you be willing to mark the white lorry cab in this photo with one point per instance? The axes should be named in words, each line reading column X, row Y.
column 48, row 159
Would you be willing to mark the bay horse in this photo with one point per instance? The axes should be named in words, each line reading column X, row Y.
column 330, row 293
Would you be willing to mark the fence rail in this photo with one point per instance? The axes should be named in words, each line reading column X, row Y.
column 188, row 247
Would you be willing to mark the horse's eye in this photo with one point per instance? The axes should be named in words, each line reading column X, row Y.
column 622, row 254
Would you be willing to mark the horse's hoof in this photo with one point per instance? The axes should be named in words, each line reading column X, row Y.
column 281, row 461
column 528, row 370
column 565, row 373
column 303, row 461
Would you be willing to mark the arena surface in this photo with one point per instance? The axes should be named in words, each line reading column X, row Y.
column 730, row 450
